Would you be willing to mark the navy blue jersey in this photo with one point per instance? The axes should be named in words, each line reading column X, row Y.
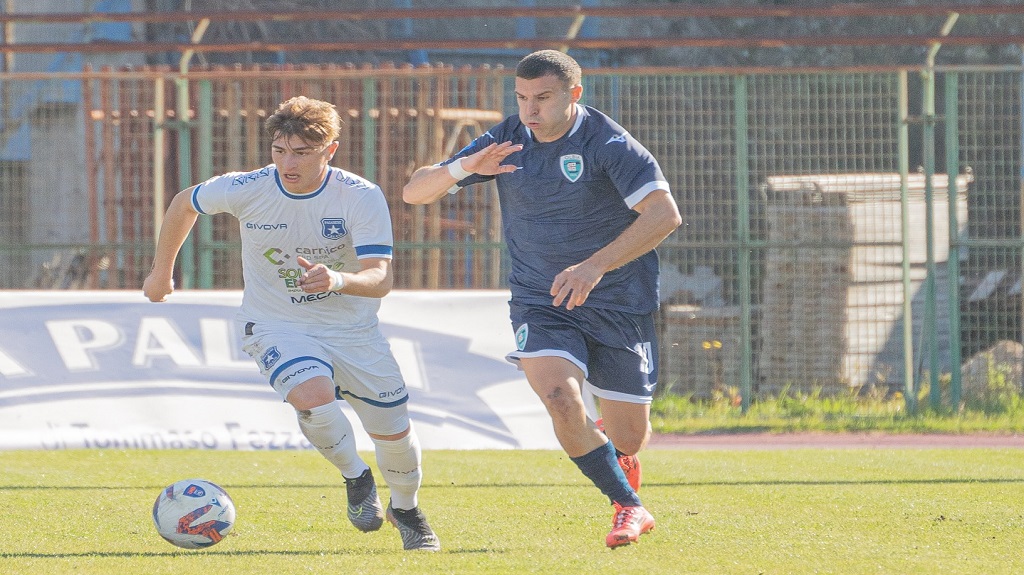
column 570, row 198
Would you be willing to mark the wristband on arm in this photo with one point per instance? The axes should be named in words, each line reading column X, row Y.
column 337, row 282
column 457, row 171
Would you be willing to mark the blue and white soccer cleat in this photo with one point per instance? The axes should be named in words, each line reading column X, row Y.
column 364, row 508
column 415, row 531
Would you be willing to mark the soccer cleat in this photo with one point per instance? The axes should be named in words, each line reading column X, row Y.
column 413, row 527
column 628, row 524
column 630, row 464
column 364, row 508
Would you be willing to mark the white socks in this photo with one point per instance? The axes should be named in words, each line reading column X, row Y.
column 327, row 428
column 399, row 463
column 330, row 432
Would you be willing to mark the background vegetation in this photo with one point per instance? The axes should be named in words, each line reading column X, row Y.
column 999, row 410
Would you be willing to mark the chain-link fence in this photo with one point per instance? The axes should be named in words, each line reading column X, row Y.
column 839, row 233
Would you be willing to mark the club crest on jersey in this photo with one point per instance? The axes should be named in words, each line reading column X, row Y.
column 269, row 358
column 522, row 334
column 333, row 228
column 572, row 166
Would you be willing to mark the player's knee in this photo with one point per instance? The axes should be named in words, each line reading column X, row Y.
column 631, row 445
column 390, row 436
column 387, row 424
column 562, row 404
column 312, row 393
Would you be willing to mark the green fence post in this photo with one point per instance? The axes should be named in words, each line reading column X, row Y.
column 952, row 89
column 909, row 393
column 204, row 116
column 182, row 124
column 369, row 129
column 743, row 235
column 928, row 335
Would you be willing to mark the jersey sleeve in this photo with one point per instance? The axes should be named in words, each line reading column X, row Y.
column 633, row 169
column 211, row 197
column 371, row 225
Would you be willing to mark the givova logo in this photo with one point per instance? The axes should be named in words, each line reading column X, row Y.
column 265, row 227
column 300, row 371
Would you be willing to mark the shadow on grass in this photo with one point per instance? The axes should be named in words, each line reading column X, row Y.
column 520, row 485
column 830, row 482
column 224, row 553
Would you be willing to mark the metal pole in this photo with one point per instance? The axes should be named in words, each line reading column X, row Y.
column 204, row 117
column 8, row 61
column 743, row 237
column 184, row 125
column 1020, row 198
column 909, row 393
column 187, row 259
column 369, row 129
column 928, row 136
column 953, row 264
column 928, row 334
column 159, row 154
column 935, row 393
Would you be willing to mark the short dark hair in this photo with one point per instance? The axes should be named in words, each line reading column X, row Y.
column 550, row 62
column 315, row 122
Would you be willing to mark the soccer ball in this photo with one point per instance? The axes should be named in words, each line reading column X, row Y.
column 193, row 513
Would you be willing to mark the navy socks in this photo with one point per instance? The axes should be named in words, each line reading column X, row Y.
column 602, row 467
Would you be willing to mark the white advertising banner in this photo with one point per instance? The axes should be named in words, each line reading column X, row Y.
column 103, row 369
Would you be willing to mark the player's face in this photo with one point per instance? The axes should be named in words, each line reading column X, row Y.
column 302, row 167
column 547, row 106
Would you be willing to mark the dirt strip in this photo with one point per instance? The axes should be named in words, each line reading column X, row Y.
column 832, row 441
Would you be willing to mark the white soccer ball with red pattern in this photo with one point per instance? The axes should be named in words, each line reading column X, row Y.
column 193, row 513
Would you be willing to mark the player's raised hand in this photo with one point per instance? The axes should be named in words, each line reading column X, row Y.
column 488, row 161
column 573, row 285
column 318, row 277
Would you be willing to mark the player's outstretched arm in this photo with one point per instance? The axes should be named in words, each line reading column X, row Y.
column 178, row 221
column 431, row 183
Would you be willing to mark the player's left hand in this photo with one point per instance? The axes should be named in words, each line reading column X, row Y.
column 573, row 285
column 157, row 287
column 318, row 277
column 488, row 161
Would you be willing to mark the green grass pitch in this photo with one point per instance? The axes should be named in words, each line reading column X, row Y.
column 843, row 511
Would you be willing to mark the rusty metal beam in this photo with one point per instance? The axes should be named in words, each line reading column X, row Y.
column 342, row 70
column 656, row 11
column 518, row 43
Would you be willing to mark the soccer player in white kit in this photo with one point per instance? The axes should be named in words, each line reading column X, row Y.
column 316, row 259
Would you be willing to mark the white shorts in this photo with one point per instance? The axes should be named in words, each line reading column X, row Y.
column 365, row 374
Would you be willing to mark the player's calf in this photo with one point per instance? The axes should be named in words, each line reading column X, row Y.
column 630, row 464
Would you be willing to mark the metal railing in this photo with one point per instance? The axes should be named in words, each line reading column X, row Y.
column 838, row 233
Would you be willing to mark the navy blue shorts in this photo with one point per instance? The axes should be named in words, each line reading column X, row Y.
column 617, row 351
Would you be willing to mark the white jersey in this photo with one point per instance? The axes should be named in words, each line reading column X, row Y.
column 343, row 221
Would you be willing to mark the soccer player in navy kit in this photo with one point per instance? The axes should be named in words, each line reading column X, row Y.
column 316, row 259
column 583, row 206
